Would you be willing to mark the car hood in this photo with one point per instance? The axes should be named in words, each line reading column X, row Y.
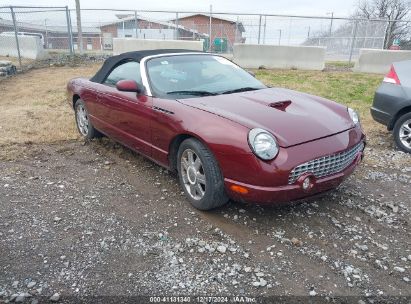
column 291, row 116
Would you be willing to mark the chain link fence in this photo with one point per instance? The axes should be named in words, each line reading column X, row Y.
column 49, row 26
column 57, row 32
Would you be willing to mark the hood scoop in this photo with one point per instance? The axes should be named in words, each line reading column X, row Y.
column 280, row 105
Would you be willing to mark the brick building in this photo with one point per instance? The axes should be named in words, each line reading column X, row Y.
column 128, row 27
column 220, row 28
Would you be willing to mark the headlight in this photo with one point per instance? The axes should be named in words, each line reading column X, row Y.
column 354, row 116
column 263, row 144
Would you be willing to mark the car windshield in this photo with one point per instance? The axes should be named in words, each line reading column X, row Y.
column 186, row 76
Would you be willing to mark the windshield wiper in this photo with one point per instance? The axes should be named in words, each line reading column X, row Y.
column 194, row 93
column 245, row 89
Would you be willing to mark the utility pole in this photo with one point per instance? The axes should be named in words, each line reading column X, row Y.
column 353, row 40
column 265, row 28
column 309, row 30
column 69, row 31
column 236, row 31
column 331, row 22
column 136, row 22
column 209, row 29
column 388, row 33
column 289, row 30
column 279, row 38
column 176, row 23
column 46, row 40
column 79, row 31
column 16, row 34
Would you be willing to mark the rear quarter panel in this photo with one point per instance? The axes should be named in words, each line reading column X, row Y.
column 403, row 70
column 391, row 101
column 87, row 91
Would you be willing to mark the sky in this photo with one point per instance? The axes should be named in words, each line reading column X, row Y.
column 295, row 7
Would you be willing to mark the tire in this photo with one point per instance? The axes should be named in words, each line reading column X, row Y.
column 83, row 123
column 201, row 181
column 402, row 132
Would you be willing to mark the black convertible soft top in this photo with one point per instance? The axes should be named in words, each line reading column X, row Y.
column 114, row 61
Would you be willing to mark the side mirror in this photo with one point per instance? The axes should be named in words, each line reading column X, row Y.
column 128, row 86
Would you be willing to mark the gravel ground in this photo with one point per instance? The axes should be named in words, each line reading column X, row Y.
column 94, row 219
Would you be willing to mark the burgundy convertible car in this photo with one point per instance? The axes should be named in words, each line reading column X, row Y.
column 225, row 133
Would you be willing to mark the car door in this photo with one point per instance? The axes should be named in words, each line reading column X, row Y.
column 126, row 115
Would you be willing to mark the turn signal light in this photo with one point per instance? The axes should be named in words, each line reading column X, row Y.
column 239, row 189
column 392, row 76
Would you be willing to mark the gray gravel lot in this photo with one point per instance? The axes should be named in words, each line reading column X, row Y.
column 95, row 219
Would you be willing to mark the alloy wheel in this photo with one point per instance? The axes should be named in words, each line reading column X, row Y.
column 82, row 120
column 193, row 175
column 405, row 134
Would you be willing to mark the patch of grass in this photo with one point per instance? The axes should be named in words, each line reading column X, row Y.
column 33, row 106
column 339, row 64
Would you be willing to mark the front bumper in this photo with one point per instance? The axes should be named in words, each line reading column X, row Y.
column 294, row 191
column 281, row 194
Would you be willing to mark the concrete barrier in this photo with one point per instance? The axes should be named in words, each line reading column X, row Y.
column 30, row 47
column 121, row 45
column 379, row 61
column 281, row 57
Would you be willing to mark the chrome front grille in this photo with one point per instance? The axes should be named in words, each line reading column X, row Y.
column 326, row 165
